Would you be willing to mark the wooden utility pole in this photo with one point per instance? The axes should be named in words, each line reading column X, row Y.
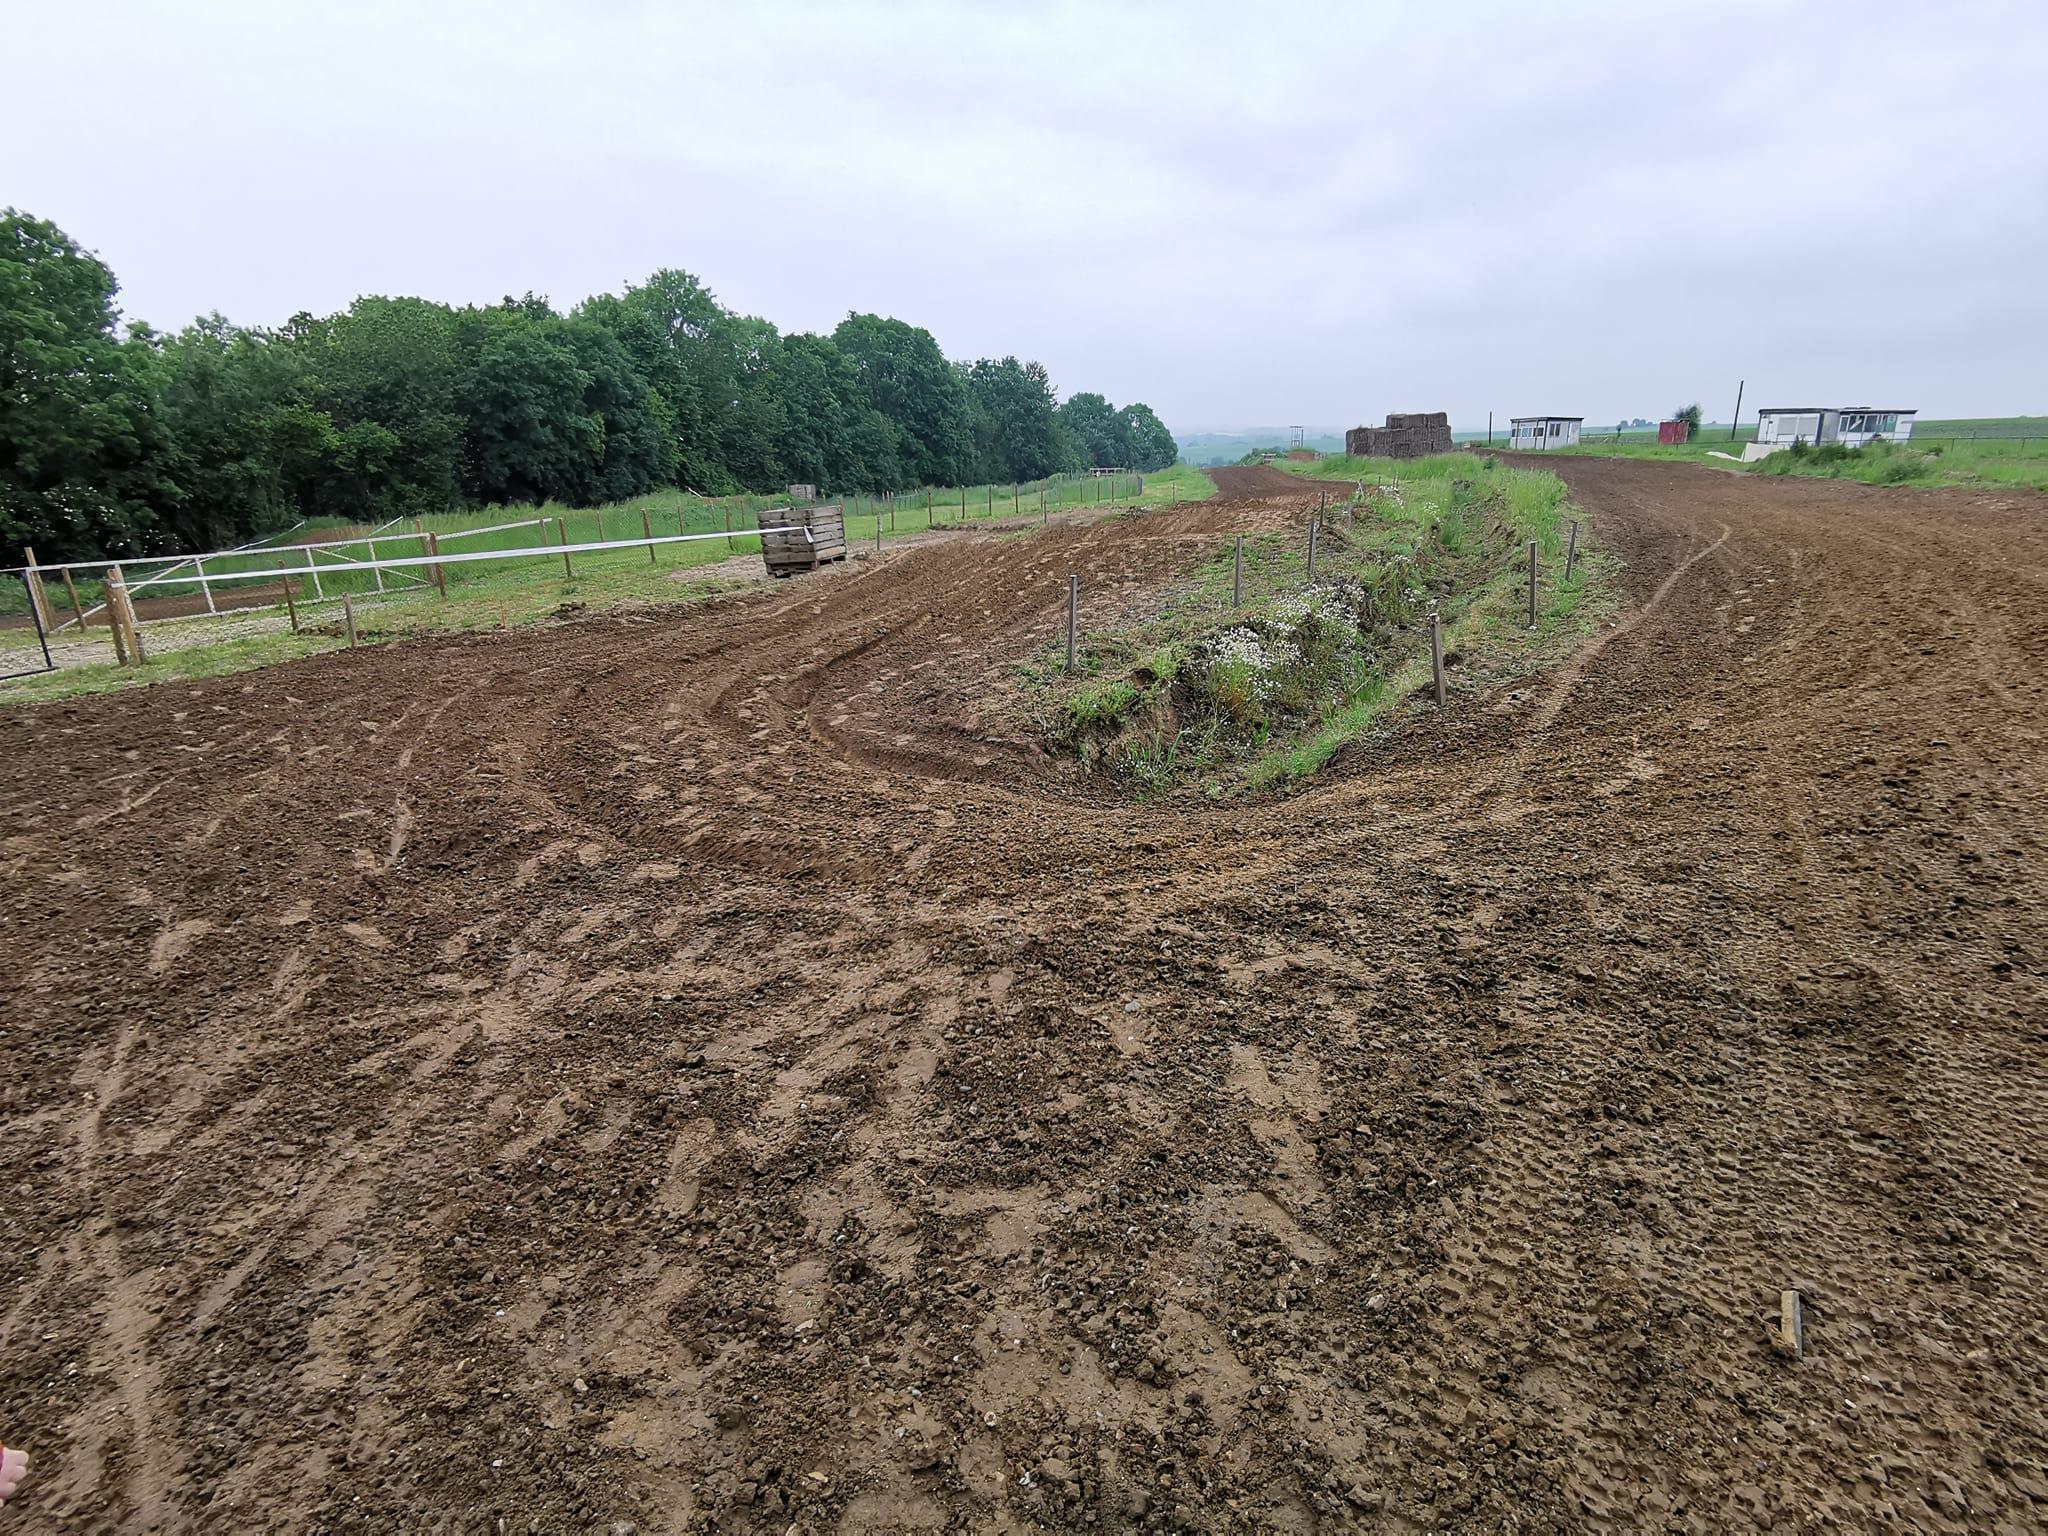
column 1740, row 385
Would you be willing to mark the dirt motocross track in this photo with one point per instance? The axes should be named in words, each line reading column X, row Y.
column 707, row 1069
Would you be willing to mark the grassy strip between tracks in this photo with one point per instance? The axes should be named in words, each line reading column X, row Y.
column 487, row 595
column 1203, row 693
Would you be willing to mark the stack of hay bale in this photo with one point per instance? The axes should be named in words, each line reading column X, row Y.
column 1407, row 435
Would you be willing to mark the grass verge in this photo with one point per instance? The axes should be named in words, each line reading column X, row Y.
column 1230, row 692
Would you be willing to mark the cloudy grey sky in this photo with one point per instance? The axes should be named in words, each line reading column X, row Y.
column 1239, row 213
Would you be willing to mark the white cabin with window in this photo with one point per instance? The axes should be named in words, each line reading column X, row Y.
column 1540, row 434
column 1850, row 425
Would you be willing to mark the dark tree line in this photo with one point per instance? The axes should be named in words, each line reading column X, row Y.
column 131, row 441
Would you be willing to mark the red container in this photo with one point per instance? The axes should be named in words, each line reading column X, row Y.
column 1671, row 432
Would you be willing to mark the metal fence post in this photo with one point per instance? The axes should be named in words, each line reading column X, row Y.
column 1436, row 652
column 1571, row 551
column 1532, row 583
column 1073, row 605
column 1237, row 575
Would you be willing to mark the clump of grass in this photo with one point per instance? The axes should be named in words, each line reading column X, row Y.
column 1878, row 463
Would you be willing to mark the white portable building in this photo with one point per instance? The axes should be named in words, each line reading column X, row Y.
column 1540, row 434
column 1780, row 426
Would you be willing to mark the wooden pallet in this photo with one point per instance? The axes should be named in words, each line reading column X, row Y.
column 801, row 538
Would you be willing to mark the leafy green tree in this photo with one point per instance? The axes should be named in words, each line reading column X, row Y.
column 519, row 397
column 1147, row 442
column 665, row 326
column 1016, row 422
column 242, row 439
column 79, row 441
column 1092, row 426
column 634, row 424
column 397, row 364
column 125, row 445
column 1691, row 417
column 909, row 381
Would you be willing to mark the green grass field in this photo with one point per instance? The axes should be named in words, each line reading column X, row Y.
column 2010, row 450
column 486, row 594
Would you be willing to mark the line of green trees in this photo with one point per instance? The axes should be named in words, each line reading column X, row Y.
column 128, row 441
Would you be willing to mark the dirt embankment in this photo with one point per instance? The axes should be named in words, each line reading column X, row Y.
column 692, row 1069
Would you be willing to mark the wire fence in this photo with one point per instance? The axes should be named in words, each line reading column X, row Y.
column 95, row 610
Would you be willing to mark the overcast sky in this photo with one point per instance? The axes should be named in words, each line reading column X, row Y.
column 1241, row 214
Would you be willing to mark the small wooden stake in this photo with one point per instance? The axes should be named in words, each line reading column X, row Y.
column 1436, row 652
column 77, row 608
column 1791, row 1324
column 1312, row 527
column 440, row 571
column 1237, row 575
column 348, row 615
column 600, row 525
column 728, row 535
column 1073, row 606
column 647, row 527
column 1571, row 551
column 291, row 609
column 562, row 531
column 1532, row 583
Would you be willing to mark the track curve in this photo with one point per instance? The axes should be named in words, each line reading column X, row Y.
column 705, row 1067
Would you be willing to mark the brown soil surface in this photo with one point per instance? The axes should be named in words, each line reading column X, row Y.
column 693, row 1069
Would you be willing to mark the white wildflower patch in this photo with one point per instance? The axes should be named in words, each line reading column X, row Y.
column 1319, row 602
column 1244, row 649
